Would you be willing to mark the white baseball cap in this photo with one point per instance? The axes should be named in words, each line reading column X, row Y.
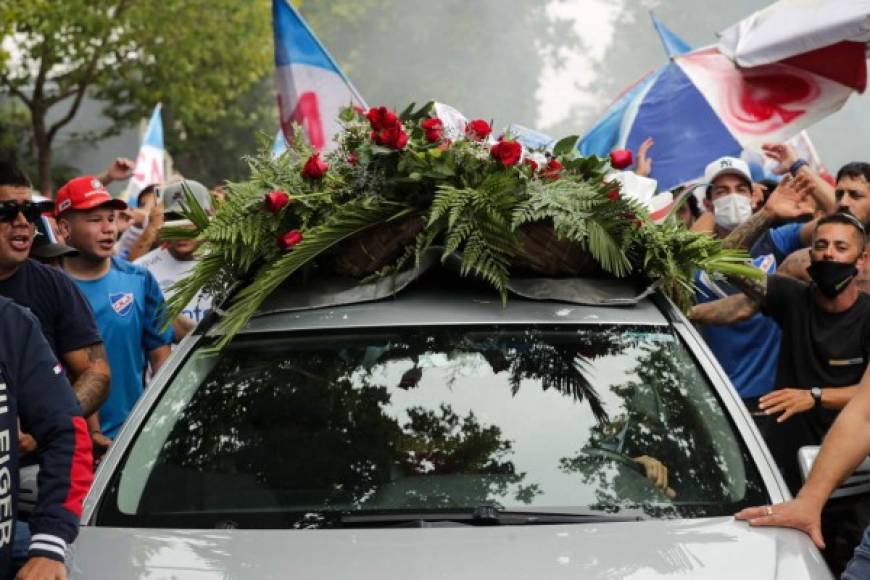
column 727, row 166
column 173, row 195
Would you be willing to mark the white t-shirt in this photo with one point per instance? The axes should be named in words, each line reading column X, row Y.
column 168, row 271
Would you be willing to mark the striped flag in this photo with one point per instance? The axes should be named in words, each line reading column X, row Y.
column 311, row 87
column 149, row 163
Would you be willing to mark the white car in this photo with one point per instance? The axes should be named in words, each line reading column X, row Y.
column 439, row 434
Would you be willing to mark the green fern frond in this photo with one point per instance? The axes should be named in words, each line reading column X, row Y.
column 347, row 221
column 186, row 289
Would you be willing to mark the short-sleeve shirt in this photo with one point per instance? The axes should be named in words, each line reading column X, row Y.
column 167, row 270
column 62, row 310
column 747, row 350
column 780, row 241
column 130, row 310
column 819, row 349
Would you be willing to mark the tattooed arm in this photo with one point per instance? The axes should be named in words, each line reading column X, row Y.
column 784, row 203
column 89, row 371
column 734, row 308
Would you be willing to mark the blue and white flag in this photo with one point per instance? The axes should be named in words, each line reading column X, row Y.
column 311, row 87
column 149, row 163
column 279, row 145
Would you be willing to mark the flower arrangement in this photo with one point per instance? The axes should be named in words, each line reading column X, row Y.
column 417, row 182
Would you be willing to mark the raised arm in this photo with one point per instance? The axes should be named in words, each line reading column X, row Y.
column 783, row 204
column 788, row 159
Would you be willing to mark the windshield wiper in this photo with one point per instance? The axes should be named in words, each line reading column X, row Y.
column 485, row 515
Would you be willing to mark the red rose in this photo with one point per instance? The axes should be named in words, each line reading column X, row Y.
column 276, row 200
column 552, row 169
column 620, row 158
column 433, row 129
column 382, row 118
column 478, row 130
column 613, row 194
column 315, row 167
column 508, row 152
column 290, row 239
column 359, row 110
column 393, row 137
column 633, row 219
column 531, row 163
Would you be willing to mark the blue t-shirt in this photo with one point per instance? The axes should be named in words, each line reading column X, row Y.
column 128, row 306
column 749, row 350
column 780, row 241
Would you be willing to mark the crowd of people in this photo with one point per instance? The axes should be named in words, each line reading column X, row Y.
column 92, row 275
column 83, row 280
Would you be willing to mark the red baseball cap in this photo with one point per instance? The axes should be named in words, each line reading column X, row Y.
column 83, row 193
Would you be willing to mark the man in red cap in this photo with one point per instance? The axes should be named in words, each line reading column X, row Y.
column 126, row 299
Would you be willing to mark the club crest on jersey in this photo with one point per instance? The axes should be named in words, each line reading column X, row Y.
column 122, row 302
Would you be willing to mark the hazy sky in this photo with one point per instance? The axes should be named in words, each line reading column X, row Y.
column 554, row 65
column 564, row 80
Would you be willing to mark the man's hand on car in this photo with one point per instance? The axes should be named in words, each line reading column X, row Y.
column 786, row 401
column 39, row 568
column 802, row 514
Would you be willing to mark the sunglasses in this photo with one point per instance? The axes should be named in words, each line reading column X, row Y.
column 9, row 210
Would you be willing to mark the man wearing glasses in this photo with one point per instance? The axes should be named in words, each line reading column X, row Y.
column 62, row 310
column 65, row 318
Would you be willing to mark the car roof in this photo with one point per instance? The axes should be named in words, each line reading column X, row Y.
column 431, row 306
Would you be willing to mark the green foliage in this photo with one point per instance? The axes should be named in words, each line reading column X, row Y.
column 565, row 146
column 474, row 207
column 478, row 220
column 132, row 55
column 581, row 213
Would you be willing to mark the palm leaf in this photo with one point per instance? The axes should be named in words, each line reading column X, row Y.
column 347, row 221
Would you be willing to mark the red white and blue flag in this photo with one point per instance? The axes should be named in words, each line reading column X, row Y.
column 701, row 106
column 311, row 87
column 150, row 161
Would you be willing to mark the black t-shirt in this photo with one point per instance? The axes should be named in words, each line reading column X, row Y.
column 64, row 313
column 818, row 349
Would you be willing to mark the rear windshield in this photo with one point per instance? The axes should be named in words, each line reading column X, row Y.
column 286, row 431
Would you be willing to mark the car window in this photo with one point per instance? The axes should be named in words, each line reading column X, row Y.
column 285, row 431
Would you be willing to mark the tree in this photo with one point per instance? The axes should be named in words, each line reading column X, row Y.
column 195, row 56
column 215, row 152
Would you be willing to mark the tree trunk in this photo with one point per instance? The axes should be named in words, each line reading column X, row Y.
column 42, row 141
column 43, row 158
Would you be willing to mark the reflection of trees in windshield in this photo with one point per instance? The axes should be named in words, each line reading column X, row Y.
column 313, row 424
column 306, row 429
column 443, row 444
column 665, row 416
column 551, row 360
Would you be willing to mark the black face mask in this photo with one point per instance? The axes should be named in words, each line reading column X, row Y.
column 832, row 277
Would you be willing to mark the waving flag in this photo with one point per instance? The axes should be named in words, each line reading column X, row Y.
column 789, row 28
column 701, row 106
column 311, row 87
column 149, row 162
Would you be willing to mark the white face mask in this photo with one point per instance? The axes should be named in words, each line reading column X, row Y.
column 731, row 210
